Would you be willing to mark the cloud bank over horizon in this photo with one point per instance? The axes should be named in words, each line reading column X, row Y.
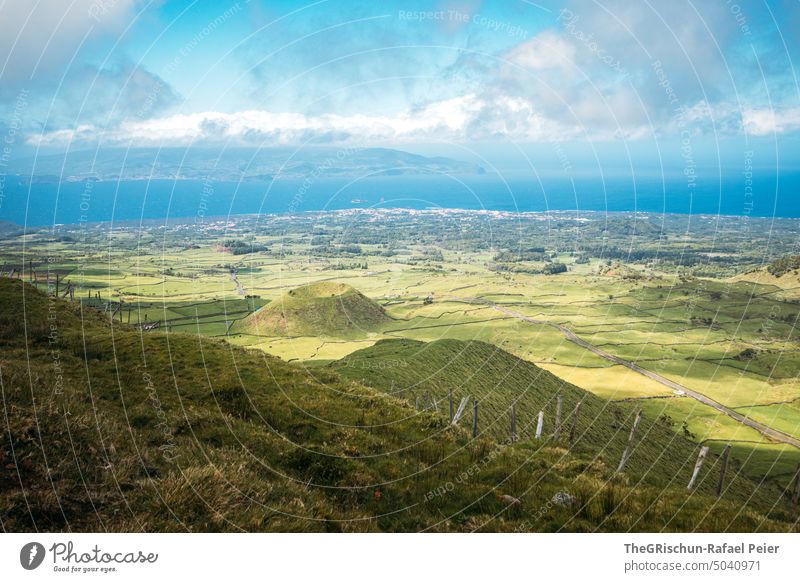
column 135, row 73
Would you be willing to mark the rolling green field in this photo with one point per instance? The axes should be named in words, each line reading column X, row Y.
column 694, row 303
column 114, row 430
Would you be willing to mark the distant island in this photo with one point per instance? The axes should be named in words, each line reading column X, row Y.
column 234, row 164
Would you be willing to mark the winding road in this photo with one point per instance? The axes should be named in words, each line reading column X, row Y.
column 767, row 431
column 239, row 287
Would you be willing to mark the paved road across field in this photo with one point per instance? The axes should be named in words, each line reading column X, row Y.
column 767, row 431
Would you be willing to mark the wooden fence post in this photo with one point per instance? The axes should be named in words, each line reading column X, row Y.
column 474, row 418
column 724, row 469
column 416, row 406
column 450, row 397
column 461, row 407
column 557, row 431
column 574, row 429
column 513, row 422
column 697, row 466
column 627, row 452
column 796, row 495
column 540, row 424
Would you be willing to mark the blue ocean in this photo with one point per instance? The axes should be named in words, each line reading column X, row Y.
column 44, row 204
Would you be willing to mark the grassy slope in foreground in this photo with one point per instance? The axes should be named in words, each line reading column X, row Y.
column 107, row 428
column 495, row 378
column 324, row 308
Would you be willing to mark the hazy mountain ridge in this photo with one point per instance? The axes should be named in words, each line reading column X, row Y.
column 235, row 164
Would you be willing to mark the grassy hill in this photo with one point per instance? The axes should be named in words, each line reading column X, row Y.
column 783, row 274
column 662, row 457
column 324, row 308
column 107, row 428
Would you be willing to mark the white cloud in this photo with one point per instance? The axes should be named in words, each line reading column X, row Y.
column 37, row 38
column 546, row 50
column 471, row 117
column 461, row 118
column 591, row 78
column 760, row 122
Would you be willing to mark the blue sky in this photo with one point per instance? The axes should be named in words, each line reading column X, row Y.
column 503, row 74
